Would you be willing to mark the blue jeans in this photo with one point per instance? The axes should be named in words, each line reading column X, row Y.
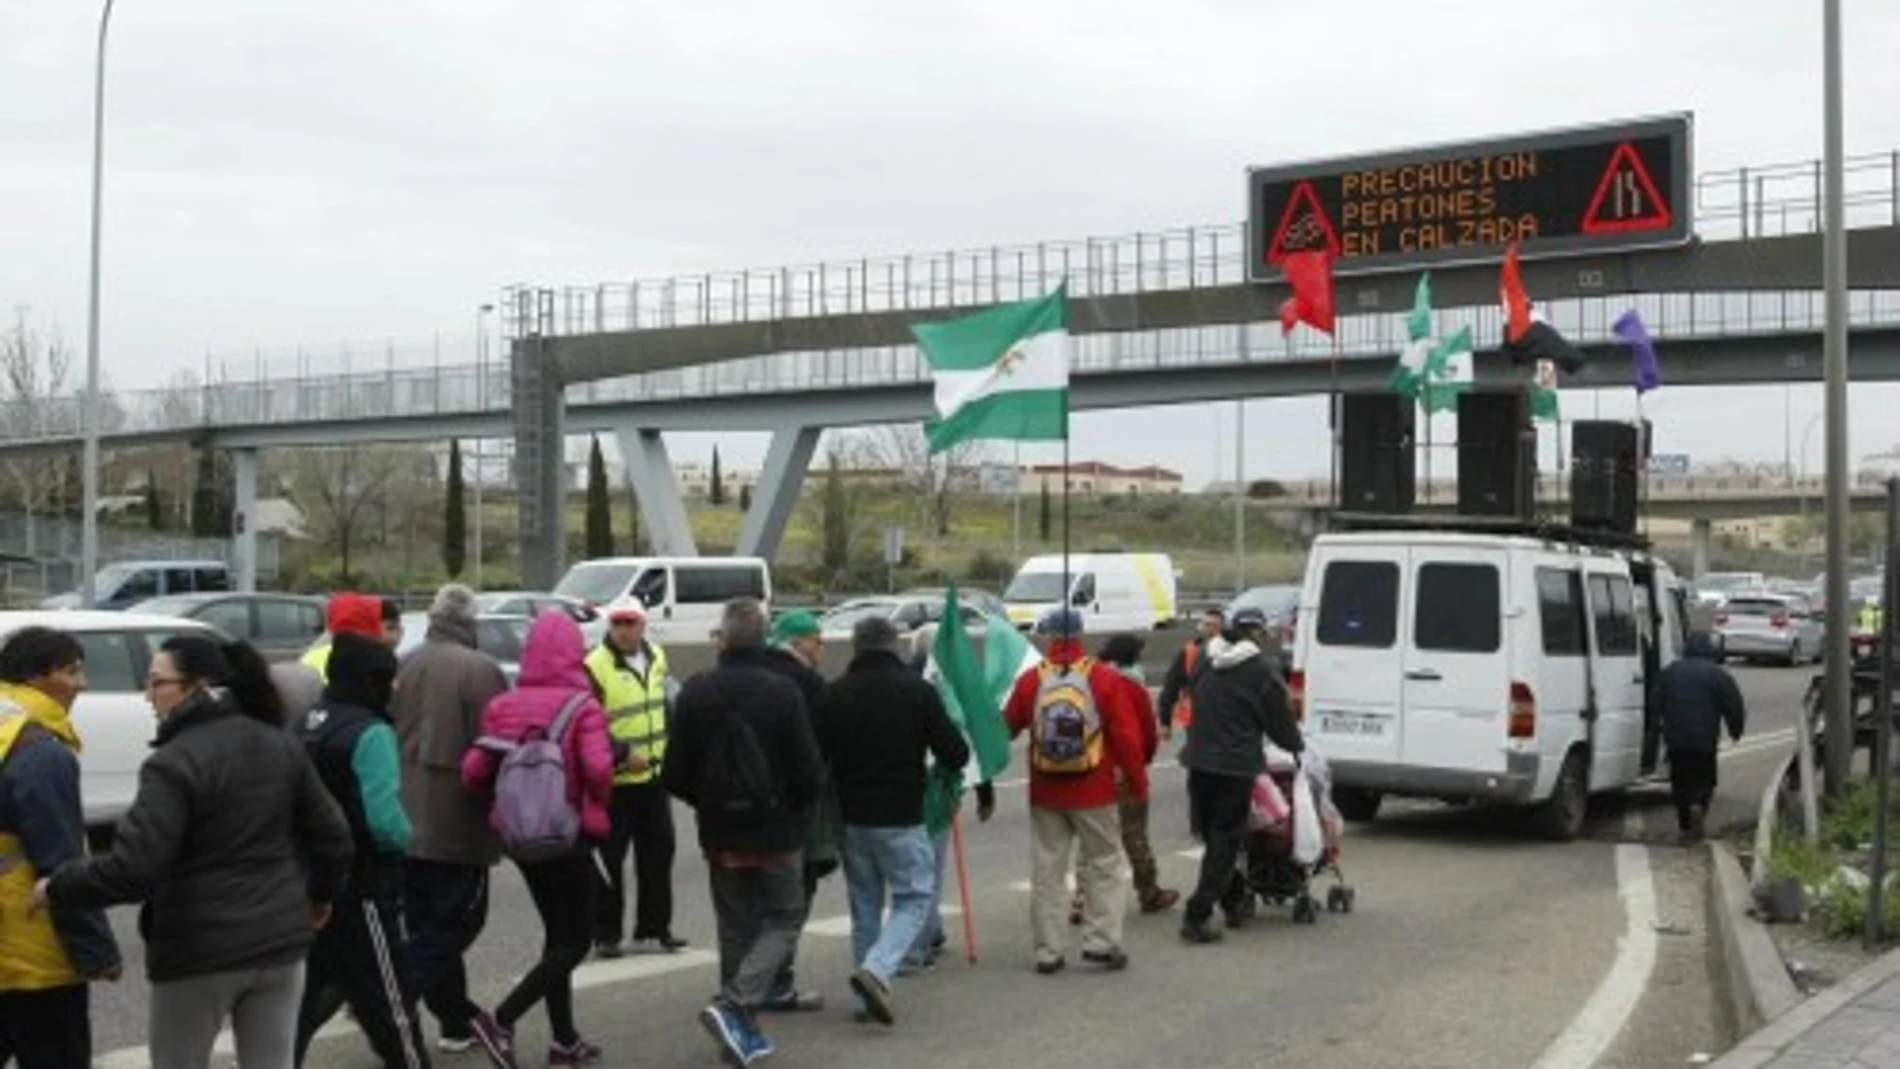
column 876, row 861
column 933, row 922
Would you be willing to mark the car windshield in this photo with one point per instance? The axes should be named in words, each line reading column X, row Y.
column 1275, row 601
column 112, row 577
column 846, row 616
column 599, row 583
column 1035, row 587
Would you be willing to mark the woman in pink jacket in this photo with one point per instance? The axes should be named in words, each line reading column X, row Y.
column 551, row 674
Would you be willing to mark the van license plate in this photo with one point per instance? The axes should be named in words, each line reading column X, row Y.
column 1351, row 724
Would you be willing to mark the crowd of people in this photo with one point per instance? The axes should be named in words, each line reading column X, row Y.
column 320, row 835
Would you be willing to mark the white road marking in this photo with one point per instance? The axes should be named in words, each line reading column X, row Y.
column 1757, row 743
column 840, row 926
column 1602, row 1018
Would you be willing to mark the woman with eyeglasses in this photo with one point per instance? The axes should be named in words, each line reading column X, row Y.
column 234, row 848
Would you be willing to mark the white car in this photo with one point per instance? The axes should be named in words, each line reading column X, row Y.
column 115, row 722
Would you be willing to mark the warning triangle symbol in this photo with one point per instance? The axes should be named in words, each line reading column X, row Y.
column 1626, row 198
column 1303, row 227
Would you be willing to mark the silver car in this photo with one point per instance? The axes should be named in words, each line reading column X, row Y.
column 1781, row 627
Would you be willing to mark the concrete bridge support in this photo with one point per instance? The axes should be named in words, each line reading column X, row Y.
column 244, row 519
column 1701, row 534
column 776, row 495
column 650, row 470
column 540, row 462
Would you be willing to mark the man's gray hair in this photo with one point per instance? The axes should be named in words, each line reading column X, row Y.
column 874, row 633
column 454, row 604
column 743, row 624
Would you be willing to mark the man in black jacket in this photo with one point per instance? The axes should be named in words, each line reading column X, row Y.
column 875, row 727
column 1240, row 701
column 360, row 958
column 797, row 643
column 743, row 756
column 1696, row 697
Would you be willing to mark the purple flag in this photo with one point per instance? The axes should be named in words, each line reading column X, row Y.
column 1630, row 330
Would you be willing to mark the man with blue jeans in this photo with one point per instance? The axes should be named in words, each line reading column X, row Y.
column 875, row 727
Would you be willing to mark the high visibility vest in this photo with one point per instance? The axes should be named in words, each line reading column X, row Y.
column 31, row 956
column 1184, row 705
column 636, row 707
column 318, row 661
column 1871, row 617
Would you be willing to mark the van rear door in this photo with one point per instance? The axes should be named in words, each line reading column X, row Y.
column 1353, row 686
column 1457, row 680
column 1616, row 675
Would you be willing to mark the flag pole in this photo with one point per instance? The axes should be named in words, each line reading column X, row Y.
column 963, row 885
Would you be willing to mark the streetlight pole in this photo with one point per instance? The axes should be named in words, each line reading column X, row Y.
column 1240, row 496
column 1807, row 438
column 1840, row 739
column 89, row 404
column 481, row 402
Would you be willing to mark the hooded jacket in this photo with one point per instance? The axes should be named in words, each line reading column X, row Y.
column 441, row 692
column 1121, row 735
column 551, row 673
column 1698, row 698
column 230, row 839
column 43, row 826
column 352, row 743
column 1240, row 701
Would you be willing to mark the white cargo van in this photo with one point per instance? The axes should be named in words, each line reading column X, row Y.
column 1477, row 666
column 1113, row 591
column 683, row 595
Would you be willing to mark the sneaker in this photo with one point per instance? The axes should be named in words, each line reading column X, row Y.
column 1114, row 959
column 1200, row 932
column 728, row 1029
column 498, row 1041
column 876, row 996
column 451, row 1044
column 607, row 951
column 794, row 1002
column 665, row 944
column 1049, row 966
column 579, row 1052
column 757, row 1045
column 1161, row 901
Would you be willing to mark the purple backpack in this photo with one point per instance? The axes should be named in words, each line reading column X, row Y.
column 531, row 812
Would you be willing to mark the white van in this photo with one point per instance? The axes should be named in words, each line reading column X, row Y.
column 684, row 596
column 1113, row 591
column 1471, row 666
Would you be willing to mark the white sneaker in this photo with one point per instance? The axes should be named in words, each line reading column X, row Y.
column 455, row 1044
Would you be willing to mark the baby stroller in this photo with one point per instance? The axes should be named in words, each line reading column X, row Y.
column 1274, row 874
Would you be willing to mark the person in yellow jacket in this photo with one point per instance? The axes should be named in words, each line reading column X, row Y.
column 47, row 956
column 630, row 677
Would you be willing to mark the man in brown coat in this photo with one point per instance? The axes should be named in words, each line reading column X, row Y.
column 441, row 690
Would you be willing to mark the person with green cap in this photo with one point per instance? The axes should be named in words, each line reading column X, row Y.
column 797, row 645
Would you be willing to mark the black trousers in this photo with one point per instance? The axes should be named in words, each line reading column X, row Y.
column 1217, row 807
column 49, row 1029
column 1692, row 779
column 563, row 893
column 643, row 820
column 360, row 959
column 445, row 907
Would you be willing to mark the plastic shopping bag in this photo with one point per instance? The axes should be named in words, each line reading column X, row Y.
column 1308, row 841
column 1269, row 806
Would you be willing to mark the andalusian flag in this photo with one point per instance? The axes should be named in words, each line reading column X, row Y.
column 1001, row 373
column 1432, row 371
column 970, row 695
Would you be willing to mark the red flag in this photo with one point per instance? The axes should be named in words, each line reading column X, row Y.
column 1310, row 274
column 1517, row 304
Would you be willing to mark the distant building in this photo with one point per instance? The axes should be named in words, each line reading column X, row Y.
column 1094, row 478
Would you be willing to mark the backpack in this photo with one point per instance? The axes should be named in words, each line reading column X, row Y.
column 736, row 784
column 531, row 812
column 1066, row 733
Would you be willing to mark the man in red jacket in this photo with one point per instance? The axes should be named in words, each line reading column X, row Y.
column 1082, row 732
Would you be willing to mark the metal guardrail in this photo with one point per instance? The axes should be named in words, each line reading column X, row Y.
column 383, row 380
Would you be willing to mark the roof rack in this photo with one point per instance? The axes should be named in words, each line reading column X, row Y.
column 1545, row 529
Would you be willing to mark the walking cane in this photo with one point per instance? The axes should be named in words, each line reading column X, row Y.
column 963, row 887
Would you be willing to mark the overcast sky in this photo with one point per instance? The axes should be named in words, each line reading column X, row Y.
column 303, row 172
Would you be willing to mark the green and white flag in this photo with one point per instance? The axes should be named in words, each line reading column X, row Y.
column 1543, row 392
column 1000, row 373
column 1432, row 371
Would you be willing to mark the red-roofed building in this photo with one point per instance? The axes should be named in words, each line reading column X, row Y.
column 1095, row 478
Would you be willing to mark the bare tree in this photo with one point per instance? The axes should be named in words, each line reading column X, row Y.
column 904, row 451
column 342, row 490
column 34, row 369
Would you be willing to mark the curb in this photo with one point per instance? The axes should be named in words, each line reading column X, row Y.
column 1752, row 981
column 1765, row 1046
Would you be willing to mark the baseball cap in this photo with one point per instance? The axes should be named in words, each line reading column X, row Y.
column 1249, row 617
column 631, row 613
column 1059, row 621
column 795, row 624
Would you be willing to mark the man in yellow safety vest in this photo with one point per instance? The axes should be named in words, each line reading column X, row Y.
column 629, row 676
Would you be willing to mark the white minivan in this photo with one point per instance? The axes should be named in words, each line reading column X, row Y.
column 684, row 596
column 1473, row 666
column 1112, row 591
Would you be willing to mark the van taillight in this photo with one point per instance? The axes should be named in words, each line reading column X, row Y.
column 1296, row 694
column 1778, row 621
column 1523, row 723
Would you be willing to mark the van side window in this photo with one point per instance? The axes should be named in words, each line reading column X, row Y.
column 1458, row 609
column 704, row 584
column 1359, row 604
column 650, row 588
column 138, row 586
column 1614, row 606
column 1560, row 606
column 178, row 580
column 213, row 580
column 109, row 667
